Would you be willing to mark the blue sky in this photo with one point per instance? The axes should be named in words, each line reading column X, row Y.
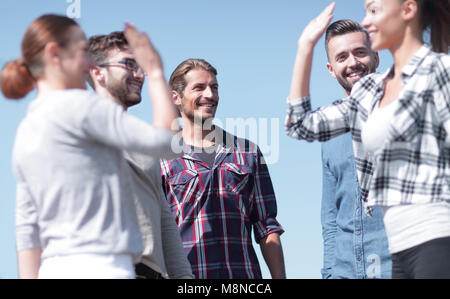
column 252, row 43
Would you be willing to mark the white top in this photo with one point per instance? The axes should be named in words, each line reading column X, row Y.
column 375, row 131
column 411, row 225
column 72, row 179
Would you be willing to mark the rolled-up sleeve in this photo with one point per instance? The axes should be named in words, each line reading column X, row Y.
column 27, row 228
column 321, row 124
column 441, row 96
column 265, row 207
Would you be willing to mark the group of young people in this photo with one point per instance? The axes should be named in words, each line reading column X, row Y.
column 102, row 194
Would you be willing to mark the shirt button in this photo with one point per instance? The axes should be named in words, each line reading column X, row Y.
column 358, row 232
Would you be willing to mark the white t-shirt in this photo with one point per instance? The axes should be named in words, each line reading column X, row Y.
column 375, row 131
column 411, row 225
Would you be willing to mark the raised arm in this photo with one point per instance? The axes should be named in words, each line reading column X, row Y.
column 303, row 61
column 164, row 112
column 301, row 122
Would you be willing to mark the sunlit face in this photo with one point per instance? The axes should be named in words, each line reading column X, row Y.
column 75, row 59
column 383, row 23
column 200, row 96
column 123, row 83
column 350, row 58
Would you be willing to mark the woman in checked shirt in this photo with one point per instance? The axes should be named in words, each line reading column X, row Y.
column 400, row 124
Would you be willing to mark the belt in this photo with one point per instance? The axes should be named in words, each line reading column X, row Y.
column 145, row 272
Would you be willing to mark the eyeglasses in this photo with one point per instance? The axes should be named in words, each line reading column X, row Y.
column 128, row 64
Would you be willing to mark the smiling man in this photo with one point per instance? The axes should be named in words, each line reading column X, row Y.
column 349, row 54
column 220, row 190
column 355, row 245
column 116, row 75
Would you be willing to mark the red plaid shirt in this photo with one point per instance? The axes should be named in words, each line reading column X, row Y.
column 216, row 208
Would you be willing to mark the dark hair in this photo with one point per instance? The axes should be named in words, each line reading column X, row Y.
column 100, row 45
column 18, row 77
column 434, row 16
column 177, row 81
column 342, row 27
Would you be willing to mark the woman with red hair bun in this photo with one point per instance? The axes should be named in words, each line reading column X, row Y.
column 75, row 217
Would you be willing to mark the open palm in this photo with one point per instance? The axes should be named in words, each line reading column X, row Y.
column 316, row 28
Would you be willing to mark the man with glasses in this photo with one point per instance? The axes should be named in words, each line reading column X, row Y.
column 115, row 74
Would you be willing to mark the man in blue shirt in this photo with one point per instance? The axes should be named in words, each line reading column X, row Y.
column 355, row 245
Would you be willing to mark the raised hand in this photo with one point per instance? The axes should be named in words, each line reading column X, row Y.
column 143, row 50
column 316, row 28
column 301, row 75
column 164, row 112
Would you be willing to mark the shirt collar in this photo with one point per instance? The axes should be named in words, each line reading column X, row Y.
column 411, row 67
column 407, row 72
column 224, row 140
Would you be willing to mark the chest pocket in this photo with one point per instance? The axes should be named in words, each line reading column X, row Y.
column 236, row 177
column 185, row 183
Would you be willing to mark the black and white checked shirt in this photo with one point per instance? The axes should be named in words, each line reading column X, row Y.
column 414, row 165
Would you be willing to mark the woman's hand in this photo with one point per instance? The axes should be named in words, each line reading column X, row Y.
column 143, row 50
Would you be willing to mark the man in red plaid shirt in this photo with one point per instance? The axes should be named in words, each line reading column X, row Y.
column 221, row 188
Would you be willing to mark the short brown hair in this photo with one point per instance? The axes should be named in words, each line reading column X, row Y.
column 342, row 27
column 177, row 80
column 100, row 45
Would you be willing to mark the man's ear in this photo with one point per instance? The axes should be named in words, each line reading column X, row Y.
column 97, row 75
column 176, row 98
column 177, row 101
column 330, row 69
